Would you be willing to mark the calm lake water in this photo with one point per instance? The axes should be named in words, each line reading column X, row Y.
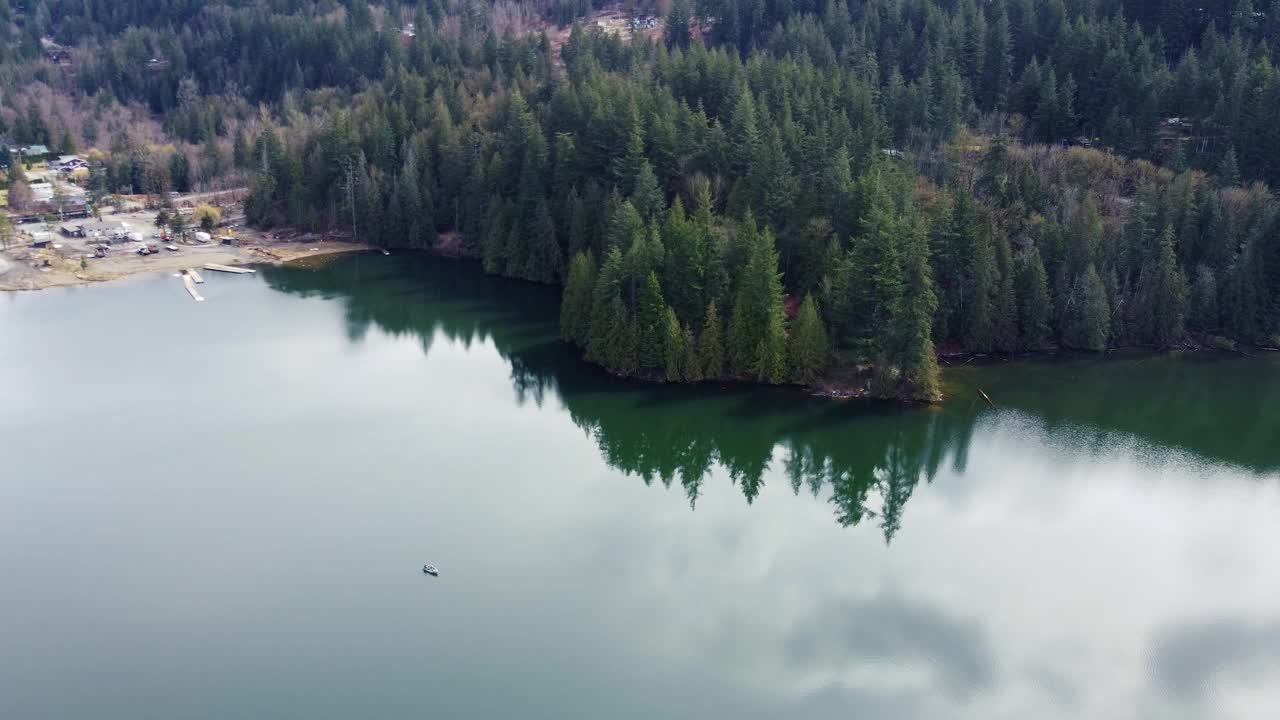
column 221, row 510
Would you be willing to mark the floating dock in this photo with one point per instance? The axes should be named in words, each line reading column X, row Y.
column 229, row 269
column 191, row 288
column 194, row 275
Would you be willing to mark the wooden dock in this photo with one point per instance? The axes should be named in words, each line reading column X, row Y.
column 191, row 288
column 229, row 269
column 194, row 275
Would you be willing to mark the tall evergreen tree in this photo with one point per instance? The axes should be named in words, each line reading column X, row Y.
column 1035, row 307
column 915, row 358
column 807, row 345
column 650, row 317
column 1087, row 325
column 1164, row 293
column 673, row 349
column 575, row 305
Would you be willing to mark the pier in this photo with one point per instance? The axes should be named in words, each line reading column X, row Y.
column 191, row 288
column 228, row 269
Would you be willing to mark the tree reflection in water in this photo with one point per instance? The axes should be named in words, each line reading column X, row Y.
column 869, row 455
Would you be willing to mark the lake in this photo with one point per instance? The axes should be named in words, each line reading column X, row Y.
column 222, row 510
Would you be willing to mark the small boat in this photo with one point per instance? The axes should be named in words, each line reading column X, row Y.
column 430, row 570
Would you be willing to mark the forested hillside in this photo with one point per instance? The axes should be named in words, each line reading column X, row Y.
column 775, row 191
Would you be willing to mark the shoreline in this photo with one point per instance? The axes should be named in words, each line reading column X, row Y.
column 29, row 269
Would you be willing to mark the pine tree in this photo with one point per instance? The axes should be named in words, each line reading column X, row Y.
column 625, row 227
column 493, row 247
column 1088, row 324
column 711, row 345
column 915, row 358
column 1048, row 112
column 1164, row 291
column 620, row 340
column 744, row 135
column 998, row 68
column 575, row 307
column 677, row 25
column 673, row 349
column 1034, row 304
column 1004, row 306
column 690, row 364
column 1229, row 169
column 1204, row 301
column 807, row 345
column 626, row 168
column 770, row 361
column 608, row 286
column 873, row 287
column 757, row 340
column 650, row 320
column 686, row 263
column 544, row 261
column 977, row 321
column 645, row 194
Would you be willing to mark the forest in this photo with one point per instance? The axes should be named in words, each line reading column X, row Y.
column 778, row 191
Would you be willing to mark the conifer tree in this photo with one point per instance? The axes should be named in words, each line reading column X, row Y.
column 1004, row 306
column 575, row 306
column 915, row 358
column 807, row 345
column 757, row 340
column 1088, row 324
column 608, row 286
column 769, row 363
column 1164, row 294
column 646, row 196
column 650, row 318
column 1204, row 301
column 711, row 345
column 673, row 348
column 691, row 368
column 543, row 262
column 1035, row 308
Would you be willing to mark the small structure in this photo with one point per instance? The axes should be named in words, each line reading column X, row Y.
column 41, row 239
column 53, row 52
column 66, row 164
column 229, row 269
column 72, row 229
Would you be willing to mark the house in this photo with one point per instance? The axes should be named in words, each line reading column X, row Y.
column 32, row 152
column 67, row 164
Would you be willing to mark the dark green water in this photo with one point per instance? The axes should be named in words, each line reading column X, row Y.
column 220, row 510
